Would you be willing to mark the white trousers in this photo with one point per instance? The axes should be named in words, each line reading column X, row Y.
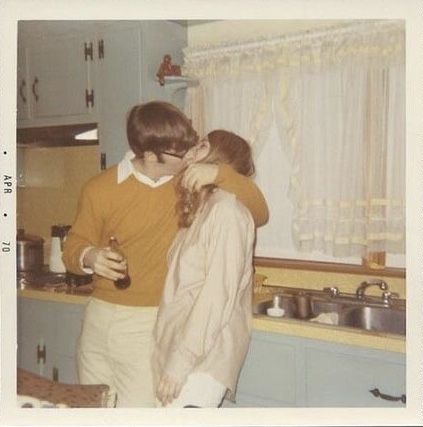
column 115, row 349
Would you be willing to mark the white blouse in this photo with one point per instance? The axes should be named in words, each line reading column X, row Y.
column 204, row 318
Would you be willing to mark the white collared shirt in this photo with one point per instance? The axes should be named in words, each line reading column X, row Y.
column 126, row 169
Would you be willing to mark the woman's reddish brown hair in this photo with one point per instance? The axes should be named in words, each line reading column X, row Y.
column 225, row 148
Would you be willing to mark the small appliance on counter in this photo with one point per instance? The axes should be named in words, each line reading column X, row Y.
column 33, row 273
column 29, row 252
column 58, row 236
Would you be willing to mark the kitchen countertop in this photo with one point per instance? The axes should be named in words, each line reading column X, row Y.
column 73, row 296
column 293, row 327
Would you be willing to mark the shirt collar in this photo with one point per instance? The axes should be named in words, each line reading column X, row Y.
column 126, row 169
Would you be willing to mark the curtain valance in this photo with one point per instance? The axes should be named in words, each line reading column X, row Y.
column 380, row 41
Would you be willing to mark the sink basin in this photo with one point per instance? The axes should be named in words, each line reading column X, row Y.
column 309, row 309
column 383, row 319
column 351, row 313
column 287, row 302
column 299, row 306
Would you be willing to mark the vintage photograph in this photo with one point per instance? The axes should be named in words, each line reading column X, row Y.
column 211, row 213
column 319, row 110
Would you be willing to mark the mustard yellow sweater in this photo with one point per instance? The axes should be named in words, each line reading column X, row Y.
column 143, row 220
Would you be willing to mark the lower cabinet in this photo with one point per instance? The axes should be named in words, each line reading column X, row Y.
column 269, row 375
column 279, row 371
column 47, row 337
column 344, row 376
column 284, row 371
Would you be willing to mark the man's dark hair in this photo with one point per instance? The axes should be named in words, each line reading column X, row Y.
column 159, row 126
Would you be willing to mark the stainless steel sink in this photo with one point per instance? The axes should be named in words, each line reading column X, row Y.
column 366, row 315
column 383, row 319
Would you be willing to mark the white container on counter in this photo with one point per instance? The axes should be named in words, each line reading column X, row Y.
column 58, row 236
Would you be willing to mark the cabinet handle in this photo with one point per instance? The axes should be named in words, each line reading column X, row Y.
column 21, row 87
column 384, row 396
column 103, row 161
column 89, row 98
column 101, row 49
column 34, row 89
column 88, row 51
column 41, row 354
column 55, row 374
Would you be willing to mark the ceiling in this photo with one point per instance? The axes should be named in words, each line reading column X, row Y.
column 31, row 28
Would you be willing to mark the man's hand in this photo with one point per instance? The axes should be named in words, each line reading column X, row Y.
column 105, row 263
column 199, row 174
column 168, row 389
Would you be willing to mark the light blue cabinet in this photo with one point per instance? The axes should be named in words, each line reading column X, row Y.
column 269, row 377
column 284, row 371
column 55, row 73
column 344, row 375
column 93, row 72
column 132, row 54
column 47, row 336
column 279, row 370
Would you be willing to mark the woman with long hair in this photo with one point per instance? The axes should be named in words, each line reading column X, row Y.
column 203, row 327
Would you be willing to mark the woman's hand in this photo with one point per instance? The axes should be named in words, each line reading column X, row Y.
column 199, row 174
column 168, row 389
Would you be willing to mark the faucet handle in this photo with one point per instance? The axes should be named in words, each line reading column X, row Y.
column 378, row 282
column 387, row 296
column 333, row 291
column 383, row 285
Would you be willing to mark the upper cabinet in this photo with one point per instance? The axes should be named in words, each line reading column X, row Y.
column 22, row 82
column 56, row 80
column 74, row 72
column 130, row 55
column 60, row 78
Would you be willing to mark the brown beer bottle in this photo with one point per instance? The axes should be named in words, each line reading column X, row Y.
column 126, row 281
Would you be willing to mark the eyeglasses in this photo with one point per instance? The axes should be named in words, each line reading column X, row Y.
column 179, row 156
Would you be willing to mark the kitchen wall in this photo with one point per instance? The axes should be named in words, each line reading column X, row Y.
column 346, row 282
column 237, row 31
column 50, row 180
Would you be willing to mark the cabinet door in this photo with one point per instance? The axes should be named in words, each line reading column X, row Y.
column 285, row 371
column 27, row 336
column 22, row 101
column 57, row 327
column 119, row 76
column 59, row 78
column 340, row 378
column 269, row 375
column 160, row 38
column 36, row 329
column 68, row 331
column 127, row 76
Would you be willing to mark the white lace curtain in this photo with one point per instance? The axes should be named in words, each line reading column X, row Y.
column 338, row 100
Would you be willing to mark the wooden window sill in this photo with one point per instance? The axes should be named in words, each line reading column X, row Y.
column 297, row 264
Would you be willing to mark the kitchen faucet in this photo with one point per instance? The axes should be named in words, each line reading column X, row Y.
column 359, row 293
